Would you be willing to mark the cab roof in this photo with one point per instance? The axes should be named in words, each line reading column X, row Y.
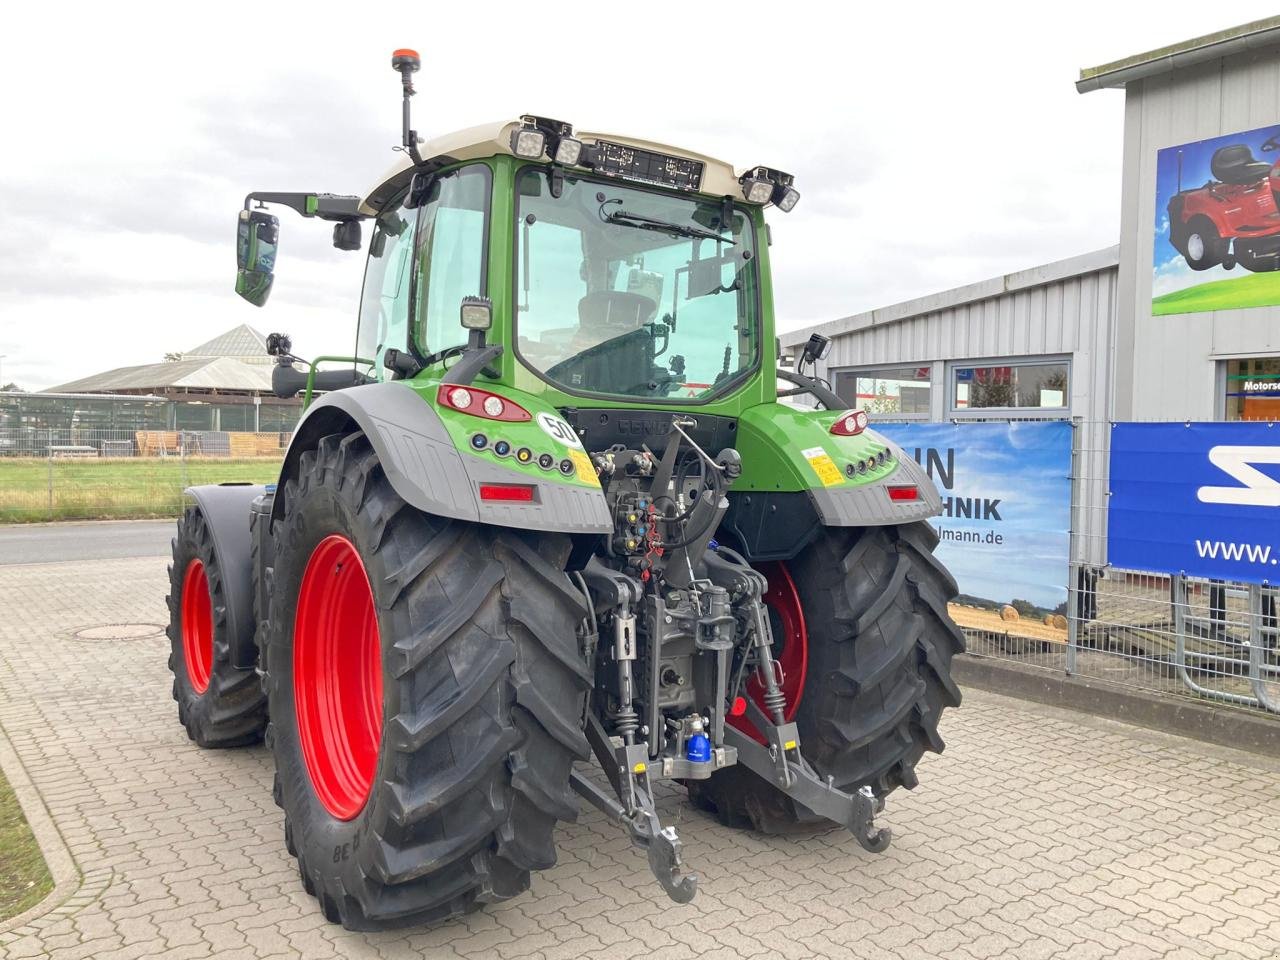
column 494, row 139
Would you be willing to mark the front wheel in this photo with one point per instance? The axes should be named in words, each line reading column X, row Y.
column 1203, row 246
column 869, row 608
column 219, row 704
column 427, row 693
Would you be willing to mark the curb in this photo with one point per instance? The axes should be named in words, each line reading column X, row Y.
column 67, row 879
column 1200, row 720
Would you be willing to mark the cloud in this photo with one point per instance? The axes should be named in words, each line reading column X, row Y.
column 923, row 163
column 1174, row 275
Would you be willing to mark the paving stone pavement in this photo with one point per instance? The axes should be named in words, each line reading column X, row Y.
column 1038, row 834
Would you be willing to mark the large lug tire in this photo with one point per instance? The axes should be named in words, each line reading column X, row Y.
column 459, row 695
column 877, row 677
column 219, row 704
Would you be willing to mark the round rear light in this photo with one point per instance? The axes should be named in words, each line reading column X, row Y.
column 493, row 406
column 460, row 398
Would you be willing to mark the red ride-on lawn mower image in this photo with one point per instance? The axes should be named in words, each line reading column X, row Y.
column 1234, row 218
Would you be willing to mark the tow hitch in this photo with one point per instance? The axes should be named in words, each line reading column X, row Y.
column 782, row 763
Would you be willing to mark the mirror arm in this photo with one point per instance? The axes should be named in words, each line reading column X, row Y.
column 809, row 385
column 326, row 206
column 472, row 364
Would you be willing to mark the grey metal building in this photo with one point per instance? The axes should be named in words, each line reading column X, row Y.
column 1083, row 337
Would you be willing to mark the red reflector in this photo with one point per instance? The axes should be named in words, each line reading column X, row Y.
column 739, row 707
column 508, row 492
column 899, row 494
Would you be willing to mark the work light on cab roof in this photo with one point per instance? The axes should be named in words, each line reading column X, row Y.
column 553, row 509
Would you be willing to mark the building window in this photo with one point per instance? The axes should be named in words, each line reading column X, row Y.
column 1016, row 385
column 1253, row 389
column 888, row 391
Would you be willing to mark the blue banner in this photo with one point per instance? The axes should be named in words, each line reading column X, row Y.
column 1006, row 496
column 1201, row 499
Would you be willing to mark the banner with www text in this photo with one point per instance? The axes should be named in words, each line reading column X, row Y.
column 1196, row 498
column 1006, row 497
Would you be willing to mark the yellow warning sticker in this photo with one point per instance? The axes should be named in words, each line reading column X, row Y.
column 585, row 470
column 823, row 466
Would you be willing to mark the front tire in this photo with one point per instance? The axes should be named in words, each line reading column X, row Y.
column 877, row 675
column 1203, row 247
column 219, row 704
column 459, row 691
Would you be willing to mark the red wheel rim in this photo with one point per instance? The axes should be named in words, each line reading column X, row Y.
column 337, row 677
column 783, row 600
column 197, row 626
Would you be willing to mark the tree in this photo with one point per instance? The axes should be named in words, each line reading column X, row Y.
column 1025, row 608
column 11, row 387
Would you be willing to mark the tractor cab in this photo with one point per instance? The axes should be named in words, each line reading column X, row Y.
column 613, row 269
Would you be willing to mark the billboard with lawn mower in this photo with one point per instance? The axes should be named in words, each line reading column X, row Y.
column 1217, row 229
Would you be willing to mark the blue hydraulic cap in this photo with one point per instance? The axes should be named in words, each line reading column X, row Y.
column 699, row 748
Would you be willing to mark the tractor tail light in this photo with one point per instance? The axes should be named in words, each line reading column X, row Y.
column 904, row 494
column 850, row 424
column 507, row 492
column 480, row 403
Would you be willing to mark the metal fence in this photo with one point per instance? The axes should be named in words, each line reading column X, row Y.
column 1174, row 635
column 80, row 474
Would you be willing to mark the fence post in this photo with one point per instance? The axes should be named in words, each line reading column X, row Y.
column 182, row 468
column 48, row 453
column 1074, row 537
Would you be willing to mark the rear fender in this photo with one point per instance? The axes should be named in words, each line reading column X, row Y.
column 785, row 449
column 226, row 508
column 421, row 457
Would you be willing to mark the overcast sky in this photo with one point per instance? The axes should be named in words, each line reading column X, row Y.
column 934, row 144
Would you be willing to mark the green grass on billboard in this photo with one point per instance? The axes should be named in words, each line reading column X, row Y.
column 1249, row 290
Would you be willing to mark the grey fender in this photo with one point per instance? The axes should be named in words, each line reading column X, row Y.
column 869, row 505
column 428, row 472
column 226, row 509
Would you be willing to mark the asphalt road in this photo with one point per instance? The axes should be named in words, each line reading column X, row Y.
column 100, row 540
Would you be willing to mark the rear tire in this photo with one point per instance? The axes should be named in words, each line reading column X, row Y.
column 219, row 704
column 878, row 674
column 483, row 688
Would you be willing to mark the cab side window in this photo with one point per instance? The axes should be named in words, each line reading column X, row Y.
column 452, row 249
column 384, row 302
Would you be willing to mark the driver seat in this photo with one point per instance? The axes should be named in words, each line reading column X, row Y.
column 1235, row 165
column 605, row 314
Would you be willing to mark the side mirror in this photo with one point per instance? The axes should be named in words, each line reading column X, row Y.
column 257, row 235
column 816, row 349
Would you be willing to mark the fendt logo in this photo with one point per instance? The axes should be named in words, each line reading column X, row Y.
column 1256, row 490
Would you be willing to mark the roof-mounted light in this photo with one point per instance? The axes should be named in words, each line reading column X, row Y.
column 785, row 198
column 568, row 151
column 756, row 189
column 528, row 142
column 765, row 185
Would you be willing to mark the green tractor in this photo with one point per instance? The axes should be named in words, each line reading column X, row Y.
column 552, row 510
